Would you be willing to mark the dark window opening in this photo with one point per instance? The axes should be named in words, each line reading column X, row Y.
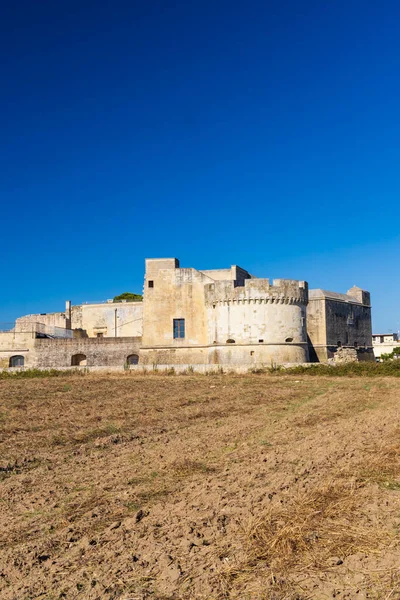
column 132, row 359
column 288, row 340
column 339, row 344
column 78, row 360
column 99, row 335
column 17, row 361
column 230, row 341
column 355, row 344
column 151, row 283
column 260, row 341
column 179, row 329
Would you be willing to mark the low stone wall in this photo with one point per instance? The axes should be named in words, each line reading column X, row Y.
column 228, row 355
column 345, row 355
column 99, row 352
column 178, row 369
column 333, row 354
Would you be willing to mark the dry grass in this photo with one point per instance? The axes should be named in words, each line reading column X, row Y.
column 315, row 527
column 253, row 487
column 315, row 531
column 382, row 463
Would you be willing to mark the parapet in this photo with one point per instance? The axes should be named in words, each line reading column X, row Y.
column 258, row 291
column 354, row 295
column 362, row 296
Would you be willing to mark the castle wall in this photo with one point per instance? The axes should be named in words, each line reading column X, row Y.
column 27, row 322
column 348, row 323
column 339, row 320
column 53, row 353
column 226, row 354
column 100, row 319
column 316, row 329
column 173, row 293
column 257, row 311
column 14, row 343
column 76, row 317
column 229, row 317
column 224, row 319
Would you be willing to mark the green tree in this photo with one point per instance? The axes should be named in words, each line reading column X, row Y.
column 386, row 356
column 129, row 297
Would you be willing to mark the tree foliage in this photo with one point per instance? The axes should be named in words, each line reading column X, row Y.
column 391, row 355
column 129, row 297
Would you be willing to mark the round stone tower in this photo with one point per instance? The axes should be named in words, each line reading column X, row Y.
column 257, row 322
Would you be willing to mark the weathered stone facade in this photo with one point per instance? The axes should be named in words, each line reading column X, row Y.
column 232, row 319
column 212, row 317
column 113, row 352
column 339, row 321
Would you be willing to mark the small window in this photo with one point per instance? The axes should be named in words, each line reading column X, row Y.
column 151, row 283
column 132, row 359
column 99, row 335
column 179, row 329
column 288, row 340
column 230, row 341
column 339, row 344
column 355, row 344
column 260, row 341
column 16, row 361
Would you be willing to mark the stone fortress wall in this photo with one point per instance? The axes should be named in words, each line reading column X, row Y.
column 228, row 316
column 120, row 319
column 230, row 319
column 53, row 353
column 339, row 321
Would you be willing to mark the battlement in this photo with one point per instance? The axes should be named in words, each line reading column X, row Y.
column 257, row 291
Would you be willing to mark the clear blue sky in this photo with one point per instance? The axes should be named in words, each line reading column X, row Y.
column 259, row 133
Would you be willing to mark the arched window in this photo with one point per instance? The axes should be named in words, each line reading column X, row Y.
column 230, row 341
column 17, row 361
column 288, row 340
column 78, row 360
column 132, row 359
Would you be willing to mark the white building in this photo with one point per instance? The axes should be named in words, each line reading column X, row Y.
column 384, row 343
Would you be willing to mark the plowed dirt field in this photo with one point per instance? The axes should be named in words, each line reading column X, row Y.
column 199, row 487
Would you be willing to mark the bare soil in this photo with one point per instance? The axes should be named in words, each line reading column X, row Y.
column 199, row 487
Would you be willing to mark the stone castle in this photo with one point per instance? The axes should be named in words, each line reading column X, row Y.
column 192, row 317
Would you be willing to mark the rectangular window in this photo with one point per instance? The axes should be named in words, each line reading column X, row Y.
column 151, row 283
column 179, row 329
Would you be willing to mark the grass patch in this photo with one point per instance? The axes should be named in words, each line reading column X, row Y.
column 40, row 373
column 354, row 369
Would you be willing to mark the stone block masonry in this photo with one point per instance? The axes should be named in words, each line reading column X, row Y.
column 187, row 316
column 114, row 352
